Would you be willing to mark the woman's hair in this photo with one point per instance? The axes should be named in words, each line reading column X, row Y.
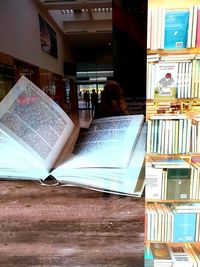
column 112, row 100
column 113, row 90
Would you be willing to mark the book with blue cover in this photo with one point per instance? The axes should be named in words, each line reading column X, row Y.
column 176, row 29
column 184, row 227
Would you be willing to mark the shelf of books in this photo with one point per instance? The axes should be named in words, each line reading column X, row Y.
column 172, row 192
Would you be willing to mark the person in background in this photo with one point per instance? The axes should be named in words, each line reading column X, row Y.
column 86, row 98
column 112, row 101
column 112, row 104
column 94, row 100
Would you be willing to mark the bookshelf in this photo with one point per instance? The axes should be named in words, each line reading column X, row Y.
column 172, row 192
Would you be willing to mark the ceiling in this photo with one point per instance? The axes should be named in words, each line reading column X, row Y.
column 87, row 25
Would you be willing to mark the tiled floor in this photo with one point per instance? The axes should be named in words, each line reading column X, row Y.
column 85, row 118
column 82, row 118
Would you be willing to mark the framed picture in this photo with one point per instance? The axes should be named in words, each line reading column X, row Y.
column 48, row 38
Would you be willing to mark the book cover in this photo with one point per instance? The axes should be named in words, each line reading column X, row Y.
column 184, row 227
column 178, row 183
column 176, row 29
column 179, row 255
column 160, row 253
column 165, row 80
column 153, row 183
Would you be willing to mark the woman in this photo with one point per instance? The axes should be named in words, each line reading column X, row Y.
column 112, row 101
column 112, row 104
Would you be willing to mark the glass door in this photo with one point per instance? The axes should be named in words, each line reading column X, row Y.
column 86, row 89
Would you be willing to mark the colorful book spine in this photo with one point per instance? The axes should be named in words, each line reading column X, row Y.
column 165, row 223
column 169, row 134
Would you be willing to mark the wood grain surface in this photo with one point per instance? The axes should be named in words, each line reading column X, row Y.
column 68, row 226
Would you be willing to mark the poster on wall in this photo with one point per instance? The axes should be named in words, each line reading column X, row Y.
column 48, row 38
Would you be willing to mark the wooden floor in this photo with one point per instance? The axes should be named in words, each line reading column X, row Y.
column 68, row 226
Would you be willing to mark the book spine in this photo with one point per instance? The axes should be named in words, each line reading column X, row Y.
column 189, row 79
column 153, row 179
column 190, row 26
column 194, row 27
column 198, row 28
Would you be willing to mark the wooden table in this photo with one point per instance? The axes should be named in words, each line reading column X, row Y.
column 68, row 226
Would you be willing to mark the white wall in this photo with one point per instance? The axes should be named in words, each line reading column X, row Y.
column 20, row 36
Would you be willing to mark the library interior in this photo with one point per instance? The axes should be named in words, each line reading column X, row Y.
column 89, row 191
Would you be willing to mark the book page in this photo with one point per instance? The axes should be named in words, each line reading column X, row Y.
column 129, row 180
column 109, row 142
column 18, row 163
column 35, row 121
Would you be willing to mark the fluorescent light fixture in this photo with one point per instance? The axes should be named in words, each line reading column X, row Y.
column 99, row 79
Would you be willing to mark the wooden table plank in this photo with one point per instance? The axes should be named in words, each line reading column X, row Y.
column 68, row 226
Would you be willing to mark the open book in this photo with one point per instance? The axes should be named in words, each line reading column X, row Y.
column 34, row 130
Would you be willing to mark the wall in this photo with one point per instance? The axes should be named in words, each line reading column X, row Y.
column 20, row 35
